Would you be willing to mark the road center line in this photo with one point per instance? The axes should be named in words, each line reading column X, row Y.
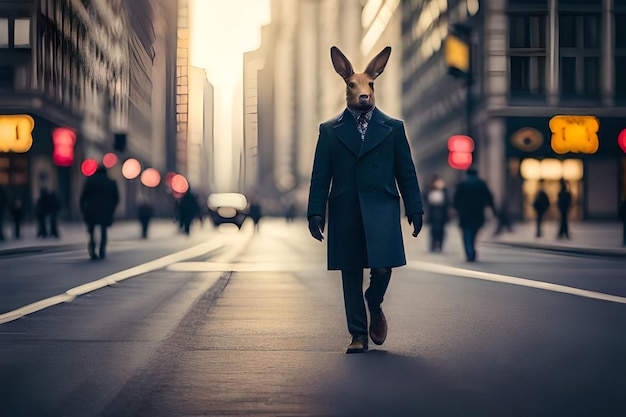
column 72, row 293
column 488, row 276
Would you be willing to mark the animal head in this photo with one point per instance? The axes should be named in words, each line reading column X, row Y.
column 359, row 87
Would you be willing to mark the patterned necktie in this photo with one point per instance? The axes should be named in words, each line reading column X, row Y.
column 361, row 123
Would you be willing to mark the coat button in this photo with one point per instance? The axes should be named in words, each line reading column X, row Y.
column 375, row 190
column 375, row 167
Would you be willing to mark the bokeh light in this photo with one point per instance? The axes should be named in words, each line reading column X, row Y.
column 131, row 168
column 150, row 177
column 88, row 167
column 109, row 160
column 179, row 184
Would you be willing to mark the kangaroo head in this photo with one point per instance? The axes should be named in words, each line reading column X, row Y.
column 359, row 87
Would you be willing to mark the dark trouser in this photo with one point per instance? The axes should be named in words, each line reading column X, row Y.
column 42, row 230
column 144, row 228
column 54, row 230
column 436, row 236
column 563, row 227
column 539, row 221
column 354, row 303
column 469, row 242
column 92, row 239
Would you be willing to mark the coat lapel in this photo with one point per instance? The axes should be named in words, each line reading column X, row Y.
column 377, row 131
column 348, row 134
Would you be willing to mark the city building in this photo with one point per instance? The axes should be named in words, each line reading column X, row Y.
column 529, row 61
column 98, row 71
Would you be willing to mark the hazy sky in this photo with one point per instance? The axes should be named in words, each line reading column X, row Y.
column 222, row 30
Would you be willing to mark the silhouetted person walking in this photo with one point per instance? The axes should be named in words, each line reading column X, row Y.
column 471, row 197
column 17, row 213
column 145, row 212
column 437, row 206
column 564, row 203
column 4, row 199
column 98, row 201
column 41, row 213
column 189, row 210
column 541, row 205
column 255, row 213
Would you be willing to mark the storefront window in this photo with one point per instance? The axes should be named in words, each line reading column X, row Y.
column 4, row 33
column 22, row 33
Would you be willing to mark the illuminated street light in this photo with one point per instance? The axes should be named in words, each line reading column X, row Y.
column 109, row 160
column 88, row 167
column 150, row 177
column 16, row 133
column 574, row 134
column 63, row 139
column 131, row 168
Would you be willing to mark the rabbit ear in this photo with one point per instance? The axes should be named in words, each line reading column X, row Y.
column 377, row 64
column 341, row 63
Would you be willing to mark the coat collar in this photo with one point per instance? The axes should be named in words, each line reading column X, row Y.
column 347, row 131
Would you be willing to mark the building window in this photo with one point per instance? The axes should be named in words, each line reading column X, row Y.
column 22, row 33
column 527, row 54
column 579, row 42
column 4, row 33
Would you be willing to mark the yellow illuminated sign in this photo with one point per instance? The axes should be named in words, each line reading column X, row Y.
column 457, row 53
column 16, row 133
column 574, row 134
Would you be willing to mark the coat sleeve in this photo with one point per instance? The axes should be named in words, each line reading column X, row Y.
column 406, row 176
column 320, row 177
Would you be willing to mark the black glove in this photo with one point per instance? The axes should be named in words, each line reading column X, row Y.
column 316, row 227
column 416, row 221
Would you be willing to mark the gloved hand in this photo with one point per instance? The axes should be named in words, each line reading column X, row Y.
column 416, row 221
column 316, row 227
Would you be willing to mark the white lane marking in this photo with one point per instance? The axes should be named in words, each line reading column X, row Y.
column 246, row 267
column 507, row 279
column 72, row 293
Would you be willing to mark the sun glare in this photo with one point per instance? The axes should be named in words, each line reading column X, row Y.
column 222, row 31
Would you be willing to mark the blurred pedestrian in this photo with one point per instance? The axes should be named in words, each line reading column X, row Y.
column 41, row 213
column 255, row 213
column 145, row 211
column 622, row 216
column 362, row 164
column 437, row 206
column 4, row 198
column 98, row 200
column 53, row 211
column 564, row 203
column 290, row 212
column 471, row 197
column 504, row 219
column 541, row 205
column 17, row 213
column 189, row 209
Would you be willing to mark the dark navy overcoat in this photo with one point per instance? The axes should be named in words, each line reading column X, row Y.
column 356, row 187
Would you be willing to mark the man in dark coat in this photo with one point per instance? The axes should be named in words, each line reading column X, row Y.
column 564, row 203
column 98, row 201
column 471, row 197
column 361, row 158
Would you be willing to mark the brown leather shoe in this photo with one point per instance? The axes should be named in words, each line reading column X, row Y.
column 378, row 326
column 358, row 345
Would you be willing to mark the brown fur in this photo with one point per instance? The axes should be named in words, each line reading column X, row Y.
column 359, row 86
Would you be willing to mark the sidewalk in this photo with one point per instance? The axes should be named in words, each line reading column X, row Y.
column 75, row 233
column 586, row 238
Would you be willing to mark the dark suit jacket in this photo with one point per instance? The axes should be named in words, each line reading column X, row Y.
column 358, row 183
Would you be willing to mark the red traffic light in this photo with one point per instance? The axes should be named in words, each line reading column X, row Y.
column 461, row 148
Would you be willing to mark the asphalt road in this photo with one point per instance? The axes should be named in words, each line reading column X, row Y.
column 260, row 331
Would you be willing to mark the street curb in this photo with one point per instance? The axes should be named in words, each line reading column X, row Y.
column 606, row 253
